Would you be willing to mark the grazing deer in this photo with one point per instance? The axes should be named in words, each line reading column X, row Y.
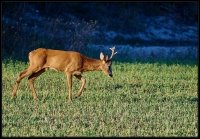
column 70, row 62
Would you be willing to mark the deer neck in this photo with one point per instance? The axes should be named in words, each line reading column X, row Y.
column 91, row 64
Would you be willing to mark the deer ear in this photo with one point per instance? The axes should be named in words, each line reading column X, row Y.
column 101, row 56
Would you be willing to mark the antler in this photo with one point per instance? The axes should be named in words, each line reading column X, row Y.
column 113, row 52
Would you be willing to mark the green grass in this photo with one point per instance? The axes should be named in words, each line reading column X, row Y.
column 143, row 99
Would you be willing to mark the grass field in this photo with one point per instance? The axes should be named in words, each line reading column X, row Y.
column 143, row 99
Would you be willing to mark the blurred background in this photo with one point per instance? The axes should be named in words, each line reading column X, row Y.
column 140, row 30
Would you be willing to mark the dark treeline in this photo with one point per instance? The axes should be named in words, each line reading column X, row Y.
column 72, row 25
column 110, row 14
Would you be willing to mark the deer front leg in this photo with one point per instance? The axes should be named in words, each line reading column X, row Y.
column 69, row 83
column 82, row 85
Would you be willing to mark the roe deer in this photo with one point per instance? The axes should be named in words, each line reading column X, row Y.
column 70, row 62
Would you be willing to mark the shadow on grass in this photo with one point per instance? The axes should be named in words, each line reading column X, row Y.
column 192, row 99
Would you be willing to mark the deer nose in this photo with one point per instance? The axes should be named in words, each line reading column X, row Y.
column 110, row 75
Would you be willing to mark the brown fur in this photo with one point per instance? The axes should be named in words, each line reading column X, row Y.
column 70, row 62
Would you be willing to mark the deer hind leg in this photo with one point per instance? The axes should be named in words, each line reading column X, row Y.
column 83, row 81
column 20, row 77
column 31, row 79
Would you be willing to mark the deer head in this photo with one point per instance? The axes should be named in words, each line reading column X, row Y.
column 107, row 62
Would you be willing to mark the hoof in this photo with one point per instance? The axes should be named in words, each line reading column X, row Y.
column 36, row 99
column 69, row 101
column 13, row 97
